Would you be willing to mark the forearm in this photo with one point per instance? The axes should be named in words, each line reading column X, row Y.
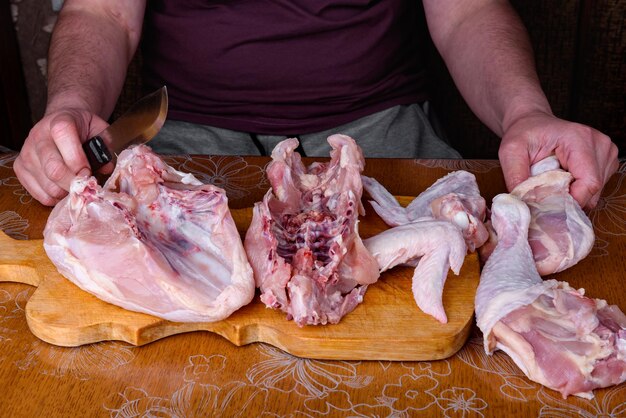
column 488, row 53
column 90, row 50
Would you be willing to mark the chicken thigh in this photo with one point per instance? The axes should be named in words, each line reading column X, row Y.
column 560, row 233
column 556, row 335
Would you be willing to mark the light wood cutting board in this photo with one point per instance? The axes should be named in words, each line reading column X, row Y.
column 386, row 326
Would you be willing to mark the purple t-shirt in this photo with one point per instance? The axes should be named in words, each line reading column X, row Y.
column 283, row 67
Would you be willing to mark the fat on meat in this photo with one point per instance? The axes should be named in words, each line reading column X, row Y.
column 557, row 336
column 303, row 241
column 560, row 233
column 152, row 240
column 454, row 197
column 433, row 246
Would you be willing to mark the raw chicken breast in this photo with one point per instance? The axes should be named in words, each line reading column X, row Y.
column 560, row 233
column 303, row 241
column 152, row 240
column 434, row 246
column 558, row 337
column 454, row 197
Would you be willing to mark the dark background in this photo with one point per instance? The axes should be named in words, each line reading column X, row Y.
column 580, row 49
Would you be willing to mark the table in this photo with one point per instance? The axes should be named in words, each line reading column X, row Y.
column 201, row 374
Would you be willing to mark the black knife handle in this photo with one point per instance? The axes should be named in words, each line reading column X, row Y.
column 97, row 153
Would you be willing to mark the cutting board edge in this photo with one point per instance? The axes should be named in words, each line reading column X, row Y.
column 455, row 343
column 76, row 337
column 253, row 333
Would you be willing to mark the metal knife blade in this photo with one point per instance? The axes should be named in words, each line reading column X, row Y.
column 138, row 125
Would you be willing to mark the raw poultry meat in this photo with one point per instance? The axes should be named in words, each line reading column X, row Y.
column 434, row 246
column 558, row 337
column 439, row 226
column 303, row 241
column 560, row 233
column 152, row 240
column 454, row 197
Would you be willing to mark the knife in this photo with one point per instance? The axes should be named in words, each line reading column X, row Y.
column 137, row 126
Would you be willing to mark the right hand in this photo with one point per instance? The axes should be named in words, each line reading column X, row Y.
column 52, row 155
column 589, row 155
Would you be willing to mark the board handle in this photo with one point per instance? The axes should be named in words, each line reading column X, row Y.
column 19, row 260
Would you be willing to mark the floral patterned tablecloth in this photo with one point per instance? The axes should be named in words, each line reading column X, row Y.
column 201, row 374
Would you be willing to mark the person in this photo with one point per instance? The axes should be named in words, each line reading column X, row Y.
column 243, row 75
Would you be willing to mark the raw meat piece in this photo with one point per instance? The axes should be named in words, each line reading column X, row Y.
column 152, row 240
column 558, row 337
column 435, row 246
column 303, row 241
column 455, row 201
column 560, row 233
column 454, row 197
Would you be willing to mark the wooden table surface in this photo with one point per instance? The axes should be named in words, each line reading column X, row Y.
column 201, row 374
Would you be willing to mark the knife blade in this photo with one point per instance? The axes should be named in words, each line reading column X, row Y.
column 138, row 125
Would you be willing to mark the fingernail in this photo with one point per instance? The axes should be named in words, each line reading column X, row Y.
column 85, row 172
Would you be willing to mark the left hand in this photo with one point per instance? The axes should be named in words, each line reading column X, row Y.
column 586, row 153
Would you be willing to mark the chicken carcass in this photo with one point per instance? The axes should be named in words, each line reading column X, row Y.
column 433, row 246
column 303, row 241
column 454, row 197
column 152, row 240
column 558, row 337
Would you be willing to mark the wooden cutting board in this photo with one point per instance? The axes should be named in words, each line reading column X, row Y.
column 386, row 326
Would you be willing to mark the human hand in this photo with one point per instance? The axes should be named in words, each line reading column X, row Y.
column 52, row 154
column 586, row 153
